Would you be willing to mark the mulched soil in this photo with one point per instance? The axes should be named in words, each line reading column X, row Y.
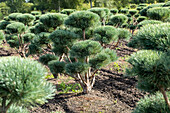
column 112, row 93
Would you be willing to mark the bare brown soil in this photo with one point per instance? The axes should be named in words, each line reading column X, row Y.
column 112, row 92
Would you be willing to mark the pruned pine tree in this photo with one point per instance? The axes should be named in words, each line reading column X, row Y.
column 84, row 60
column 17, row 38
column 83, row 20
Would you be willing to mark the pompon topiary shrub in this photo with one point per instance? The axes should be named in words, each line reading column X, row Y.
column 16, row 37
column 84, row 56
column 105, row 34
column 152, row 69
column 67, row 11
column 152, row 104
column 22, row 82
column 114, row 11
column 155, row 37
column 52, row 20
column 83, row 20
column 13, row 16
column 124, row 11
column 146, row 22
column 25, row 18
column 158, row 13
column 102, row 14
column 118, row 19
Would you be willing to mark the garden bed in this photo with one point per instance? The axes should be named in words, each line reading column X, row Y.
column 112, row 92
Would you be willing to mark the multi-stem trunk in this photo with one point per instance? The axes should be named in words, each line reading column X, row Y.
column 165, row 96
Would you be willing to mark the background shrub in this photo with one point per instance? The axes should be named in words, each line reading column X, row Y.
column 114, row 11
column 158, row 13
column 152, row 104
column 118, row 20
column 155, row 37
column 146, row 22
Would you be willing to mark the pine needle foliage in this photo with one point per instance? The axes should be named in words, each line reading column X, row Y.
column 155, row 37
column 22, row 81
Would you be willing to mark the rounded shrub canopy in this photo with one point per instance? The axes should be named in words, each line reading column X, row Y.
column 105, row 34
column 85, row 48
column 13, row 16
column 25, row 18
column 16, row 27
column 152, row 104
column 52, row 19
column 3, row 24
column 124, row 33
column 133, row 12
column 103, row 58
column 67, row 11
column 158, row 13
column 114, row 11
column 63, row 37
column 146, row 22
column 100, row 11
column 118, row 19
column 28, row 37
column 35, row 13
column 151, row 68
column 154, row 37
column 23, row 81
column 141, row 18
column 83, row 20
column 124, row 11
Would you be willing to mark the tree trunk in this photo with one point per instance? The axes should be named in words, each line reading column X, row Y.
column 165, row 97
column 88, row 86
column 91, row 4
column 3, row 107
column 116, row 44
column 84, row 34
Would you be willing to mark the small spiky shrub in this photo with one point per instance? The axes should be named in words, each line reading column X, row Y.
column 105, row 34
column 155, row 37
column 152, row 71
column 118, row 20
column 83, row 20
column 22, row 82
column 158, row 13
column 152, row 104
column 146, row 22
